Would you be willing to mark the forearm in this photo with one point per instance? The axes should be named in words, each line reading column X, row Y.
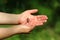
column 6, row 18
column 6, row 32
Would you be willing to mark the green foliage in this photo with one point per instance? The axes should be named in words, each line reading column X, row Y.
column 51, row 8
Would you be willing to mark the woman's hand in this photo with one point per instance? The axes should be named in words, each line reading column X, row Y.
column 31, row 23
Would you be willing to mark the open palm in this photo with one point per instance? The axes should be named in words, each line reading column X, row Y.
column 29, row 21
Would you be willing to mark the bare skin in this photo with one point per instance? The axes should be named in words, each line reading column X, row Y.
column 24, row 26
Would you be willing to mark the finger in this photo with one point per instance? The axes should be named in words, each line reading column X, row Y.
column 41, row 17
column 44, row 20
column 39, row 24
column 31, row 11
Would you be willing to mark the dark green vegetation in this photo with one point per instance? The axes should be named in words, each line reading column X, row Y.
column 51, row 8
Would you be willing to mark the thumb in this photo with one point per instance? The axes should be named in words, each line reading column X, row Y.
column 30, row 11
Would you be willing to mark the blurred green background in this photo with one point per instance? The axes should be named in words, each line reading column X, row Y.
column 51, row 8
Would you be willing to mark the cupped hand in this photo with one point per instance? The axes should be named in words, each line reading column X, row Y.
column 31, row 23
column 28, row 21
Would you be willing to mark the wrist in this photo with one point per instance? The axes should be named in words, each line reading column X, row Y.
column 15, row 19
column 16, row 29
column 20, row 29
column 18, row 18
